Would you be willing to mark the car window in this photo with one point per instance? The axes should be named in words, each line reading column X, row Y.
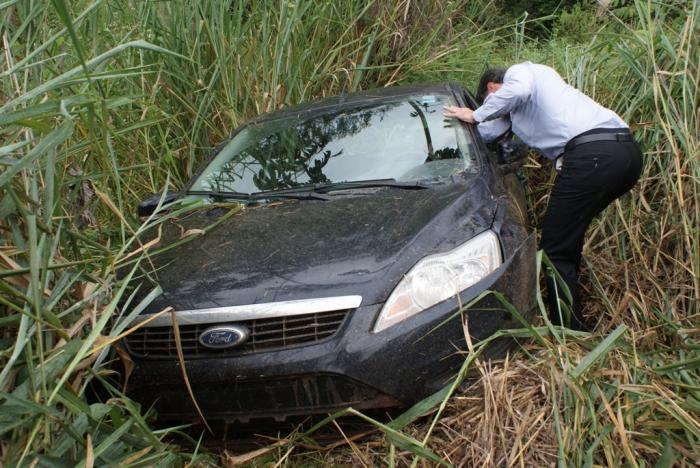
column 407, row 139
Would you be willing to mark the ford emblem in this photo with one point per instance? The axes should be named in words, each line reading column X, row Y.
column 223, row 336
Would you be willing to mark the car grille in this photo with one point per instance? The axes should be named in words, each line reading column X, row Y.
column 265, row 334
column 276, row 397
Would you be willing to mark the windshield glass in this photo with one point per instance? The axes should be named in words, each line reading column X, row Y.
column 406, row 140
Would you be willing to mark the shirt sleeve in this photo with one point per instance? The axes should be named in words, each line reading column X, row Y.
column 517, row 87
column 493, row 129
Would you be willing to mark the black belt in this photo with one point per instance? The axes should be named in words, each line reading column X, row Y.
column 583, row 139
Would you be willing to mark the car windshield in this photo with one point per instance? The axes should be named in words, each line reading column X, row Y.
column 405, row 139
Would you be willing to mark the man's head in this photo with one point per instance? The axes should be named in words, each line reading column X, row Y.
column 490, row 82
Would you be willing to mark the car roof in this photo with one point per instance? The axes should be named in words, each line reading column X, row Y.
column 359, row 98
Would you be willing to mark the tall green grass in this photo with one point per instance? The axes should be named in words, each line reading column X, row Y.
column 102, row 103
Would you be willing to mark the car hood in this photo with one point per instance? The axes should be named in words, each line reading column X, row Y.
column 358, row 243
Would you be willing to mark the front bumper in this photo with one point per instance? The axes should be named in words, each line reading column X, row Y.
column 355, row 367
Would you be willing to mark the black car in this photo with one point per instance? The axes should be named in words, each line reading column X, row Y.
column 368, row 220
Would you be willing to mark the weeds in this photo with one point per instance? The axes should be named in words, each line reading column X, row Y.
column 102, row 103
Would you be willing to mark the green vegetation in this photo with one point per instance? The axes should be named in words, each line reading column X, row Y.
column 102, row 103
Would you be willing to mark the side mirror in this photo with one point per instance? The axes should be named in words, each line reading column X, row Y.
column 148, row 205
column 511, row 151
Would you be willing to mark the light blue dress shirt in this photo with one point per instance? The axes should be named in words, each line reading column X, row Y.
column 544, row 111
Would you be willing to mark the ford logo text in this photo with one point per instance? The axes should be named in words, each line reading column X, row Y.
column 223, row 336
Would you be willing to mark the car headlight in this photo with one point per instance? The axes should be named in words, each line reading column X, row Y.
column 441, row 276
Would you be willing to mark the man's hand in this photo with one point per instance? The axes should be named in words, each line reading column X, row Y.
column 462, row 113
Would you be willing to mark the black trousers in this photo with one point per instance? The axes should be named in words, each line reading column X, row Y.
column 592, row 176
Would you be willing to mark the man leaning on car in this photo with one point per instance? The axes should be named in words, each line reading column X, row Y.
column 596, row 158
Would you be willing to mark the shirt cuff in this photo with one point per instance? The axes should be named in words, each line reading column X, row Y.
column 477, row 116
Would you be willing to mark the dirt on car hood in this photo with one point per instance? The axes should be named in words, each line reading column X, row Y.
column 358, row 243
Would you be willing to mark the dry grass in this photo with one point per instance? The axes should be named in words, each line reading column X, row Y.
column 503, row 418
column 520, row 412
column 85, row 138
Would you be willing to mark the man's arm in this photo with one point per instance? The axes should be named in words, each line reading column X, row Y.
column 517, row 87
column 491, row 130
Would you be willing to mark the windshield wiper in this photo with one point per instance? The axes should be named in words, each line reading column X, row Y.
column 312, row 191
column 300, row 195
column 214, row 193
column 330, row 187
column 370, row 183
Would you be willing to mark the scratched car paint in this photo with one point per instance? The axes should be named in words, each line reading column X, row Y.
column 368, row 220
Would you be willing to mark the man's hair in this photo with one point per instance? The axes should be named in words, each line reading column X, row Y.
column 492, row 75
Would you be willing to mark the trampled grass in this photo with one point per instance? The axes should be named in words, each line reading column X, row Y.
column 102, row 103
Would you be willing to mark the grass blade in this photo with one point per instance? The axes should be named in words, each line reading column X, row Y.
column 599, row 352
